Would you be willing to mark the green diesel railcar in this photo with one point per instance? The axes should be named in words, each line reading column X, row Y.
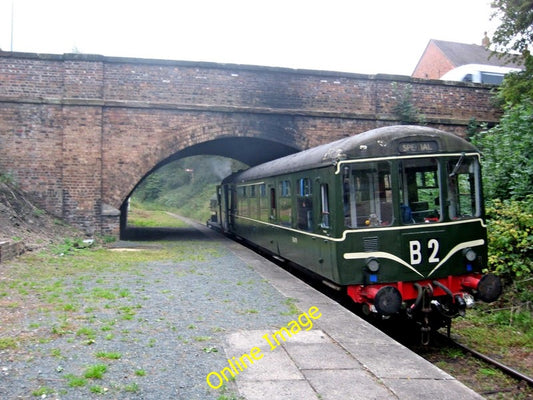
column 394, row 216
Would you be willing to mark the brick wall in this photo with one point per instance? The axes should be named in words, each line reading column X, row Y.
column 78, row 132
column 433, row 63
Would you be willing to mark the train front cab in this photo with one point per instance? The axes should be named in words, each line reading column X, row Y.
column 415, row 238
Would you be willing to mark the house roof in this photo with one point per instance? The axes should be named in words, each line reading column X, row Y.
column 462, row 53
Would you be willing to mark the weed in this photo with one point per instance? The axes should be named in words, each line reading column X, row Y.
column 140, row 372
column 127, row 312
column 293, row 309
column 70, row 246
column 108, row 355
column 104, row 294
column 8, row 343
column 107, row 327
column 226, row 394
column 43, row 391
column 56, row 353
column 87, row 332
column 487, row 371
column 108, row 239
column 248, row 282
column 95, row 371
column 210, row 350
column 38, row 212
column 69, row 307
column 75, row 381
column 202, row 338
column 97, row 389
column 132, row 388
column 452, row 352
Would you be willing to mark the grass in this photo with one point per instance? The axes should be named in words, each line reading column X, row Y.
column 43, row 391
column 8, row 343
column 70, row 296
column 132, row 388
column 109, row 355
column 503, row 330
column 75, row 381
column 140, row 217
column 96, row 371
column 291, row 305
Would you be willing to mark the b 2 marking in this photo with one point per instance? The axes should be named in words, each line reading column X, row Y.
column 415, row 251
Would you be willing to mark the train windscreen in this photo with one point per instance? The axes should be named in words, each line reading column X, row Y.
column 428, row 190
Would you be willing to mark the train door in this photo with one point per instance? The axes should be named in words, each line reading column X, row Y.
column 326, row 250
column 274, row 232
column 224, row 207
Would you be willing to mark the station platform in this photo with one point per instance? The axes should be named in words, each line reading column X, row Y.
column 340, row 357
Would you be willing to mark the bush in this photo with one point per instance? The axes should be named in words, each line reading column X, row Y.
column 510, row 230
column 507, row 154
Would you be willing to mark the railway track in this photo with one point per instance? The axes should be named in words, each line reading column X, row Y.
column 502, row 367
column 482, row 373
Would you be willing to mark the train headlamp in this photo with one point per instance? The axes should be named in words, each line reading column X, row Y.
column 469, row 254
column 372, row 264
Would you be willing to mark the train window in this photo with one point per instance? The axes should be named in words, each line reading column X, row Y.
column 348, row 198
column 242, row 202
column 324, row 206
column 285, row 188
column 304, row 207
column 253, row 203
column 420, row 191
column 368, row 195
column 464, row 196
column 304, row 187
column 285, row 203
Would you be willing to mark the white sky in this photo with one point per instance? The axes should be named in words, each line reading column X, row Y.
column 362, row 36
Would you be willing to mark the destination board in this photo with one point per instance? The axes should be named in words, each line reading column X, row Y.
column 418, row 147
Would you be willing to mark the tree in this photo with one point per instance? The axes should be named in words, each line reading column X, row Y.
column 513, row 40
column 515, row 33
column 508, row 154
column 517, row 86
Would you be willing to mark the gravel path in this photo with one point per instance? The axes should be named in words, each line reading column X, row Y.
column 157, row 327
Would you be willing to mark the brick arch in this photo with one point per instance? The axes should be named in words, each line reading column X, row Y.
column 135, row 144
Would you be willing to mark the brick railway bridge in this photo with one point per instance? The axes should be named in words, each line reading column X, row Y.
column 79, row 132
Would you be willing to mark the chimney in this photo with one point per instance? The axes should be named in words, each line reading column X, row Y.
column 485, row 42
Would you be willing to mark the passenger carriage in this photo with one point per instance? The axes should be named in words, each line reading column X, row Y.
column 393, row 216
